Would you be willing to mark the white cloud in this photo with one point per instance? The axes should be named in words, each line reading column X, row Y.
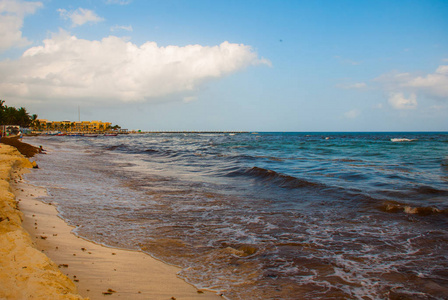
column 66, row 68
column 118, row 27
column 433, row 85
column 399, row 101
column 352, row 114
column 442, row 70
column 12, row 14
column 80, row 16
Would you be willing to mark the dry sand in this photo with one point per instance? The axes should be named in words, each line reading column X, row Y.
column 96, row 271
column 25, row 272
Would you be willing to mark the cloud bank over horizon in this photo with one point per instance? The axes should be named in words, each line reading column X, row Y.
column 66, row 67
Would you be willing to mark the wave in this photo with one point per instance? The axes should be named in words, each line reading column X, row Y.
column 427, row 190
column 282, row 180
column 402, row 140
column 117, row 147
column 415, row 194
column 167, row 153
column 396, row 207
column 151, row 151
column 445, row 161
column 137, row 150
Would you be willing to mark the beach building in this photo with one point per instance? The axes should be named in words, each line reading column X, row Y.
column 69, row 126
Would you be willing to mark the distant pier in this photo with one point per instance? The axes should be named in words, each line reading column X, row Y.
column 188, row 132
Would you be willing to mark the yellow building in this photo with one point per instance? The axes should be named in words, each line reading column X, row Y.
column 68, row 126
column 40, row 124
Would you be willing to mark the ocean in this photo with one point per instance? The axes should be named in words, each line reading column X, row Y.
column 265, row 215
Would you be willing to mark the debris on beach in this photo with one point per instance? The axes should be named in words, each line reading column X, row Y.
column 109, row 292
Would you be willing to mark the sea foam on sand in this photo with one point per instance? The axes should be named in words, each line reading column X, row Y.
column 25, row 272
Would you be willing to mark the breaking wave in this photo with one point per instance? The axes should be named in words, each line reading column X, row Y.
column 402, row 140
column 282, row 180
column 397, row 207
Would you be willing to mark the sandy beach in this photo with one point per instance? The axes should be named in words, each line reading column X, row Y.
column 25, row 272
column 43, row 259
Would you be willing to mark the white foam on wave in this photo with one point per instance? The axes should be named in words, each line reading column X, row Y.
column 395, row 140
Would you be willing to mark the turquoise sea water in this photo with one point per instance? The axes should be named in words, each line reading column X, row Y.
column 267, row 215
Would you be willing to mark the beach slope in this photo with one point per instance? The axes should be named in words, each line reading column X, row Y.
column 25, row 272
column 41, row 257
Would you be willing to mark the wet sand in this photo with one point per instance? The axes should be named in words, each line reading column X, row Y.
column 92, row 270
column 25, row 272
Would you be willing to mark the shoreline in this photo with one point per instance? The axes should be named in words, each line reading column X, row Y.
column 95, row 270
column 25, row 272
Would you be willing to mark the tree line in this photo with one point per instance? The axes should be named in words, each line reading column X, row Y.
column 12, row 116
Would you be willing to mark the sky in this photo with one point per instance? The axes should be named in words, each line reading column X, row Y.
column 250, row 65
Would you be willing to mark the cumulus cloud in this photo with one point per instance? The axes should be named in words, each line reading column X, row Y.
column 399, row 101
column 433, row 85
column 66, row 67
column 80, row 16
column 12, row 14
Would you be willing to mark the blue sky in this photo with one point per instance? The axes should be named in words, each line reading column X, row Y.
column 229, row 65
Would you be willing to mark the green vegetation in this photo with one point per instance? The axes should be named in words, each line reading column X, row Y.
column 14, row 116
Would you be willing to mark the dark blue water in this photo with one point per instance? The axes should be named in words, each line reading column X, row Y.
column 268, row 215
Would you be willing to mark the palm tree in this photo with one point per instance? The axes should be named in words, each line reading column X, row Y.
column 34, row 121
column 13, row 116
column 9, row 115
column 22, row 117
